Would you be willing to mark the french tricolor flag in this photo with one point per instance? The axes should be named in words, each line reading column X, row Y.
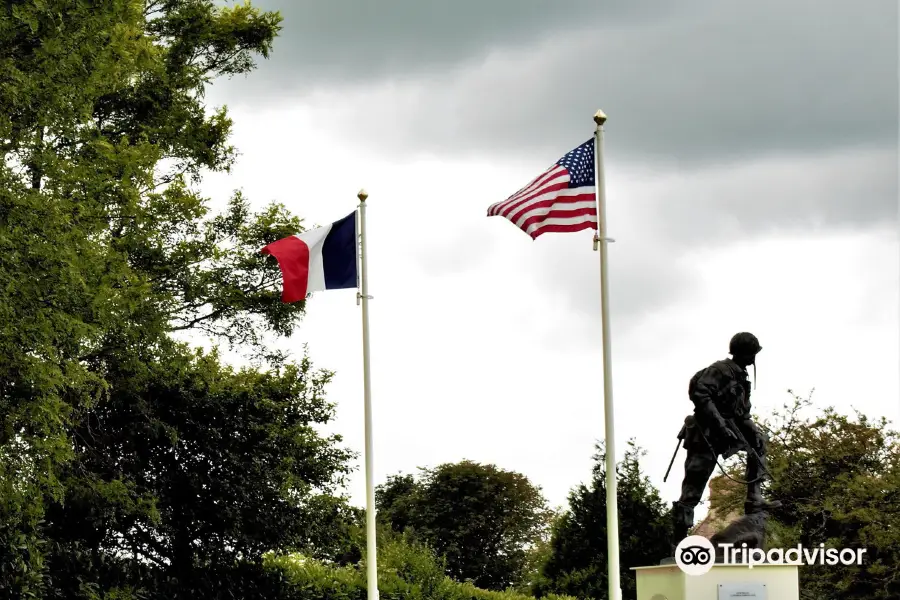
column 316, row 260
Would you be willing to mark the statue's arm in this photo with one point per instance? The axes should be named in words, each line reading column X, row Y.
column 709, row 385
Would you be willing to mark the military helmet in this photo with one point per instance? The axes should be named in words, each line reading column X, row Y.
column 744, row 343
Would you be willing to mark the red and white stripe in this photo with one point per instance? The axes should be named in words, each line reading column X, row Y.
column 548, row 204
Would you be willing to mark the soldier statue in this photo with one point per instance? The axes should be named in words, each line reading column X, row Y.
column 721, row 426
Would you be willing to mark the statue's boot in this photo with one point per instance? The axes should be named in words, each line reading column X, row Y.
column 756, row 503
column 683, row 520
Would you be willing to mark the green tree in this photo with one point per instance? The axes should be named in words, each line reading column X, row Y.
column 839, row 480
column 577, row 562
column 482, row 519
column 191, row 467
column 105, row 251
column 396, row 500
column 53, row 274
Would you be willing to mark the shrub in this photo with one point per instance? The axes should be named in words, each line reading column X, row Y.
column 407, row 570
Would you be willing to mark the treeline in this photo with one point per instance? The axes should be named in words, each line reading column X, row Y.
column 133, row 466
column 838, row 477
column 494, row 528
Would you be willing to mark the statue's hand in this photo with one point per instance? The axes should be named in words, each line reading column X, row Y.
column 727, row 433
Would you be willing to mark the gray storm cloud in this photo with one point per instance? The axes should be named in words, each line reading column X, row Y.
column 706, row 82
column 744, row 119
column 660, row 220
column 349, row 41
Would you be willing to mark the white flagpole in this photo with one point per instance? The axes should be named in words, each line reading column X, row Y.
column 601, row 239
column 363, row 296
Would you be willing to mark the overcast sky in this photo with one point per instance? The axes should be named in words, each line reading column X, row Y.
column 752, row 163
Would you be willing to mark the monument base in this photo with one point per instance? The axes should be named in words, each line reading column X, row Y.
column 722, row 582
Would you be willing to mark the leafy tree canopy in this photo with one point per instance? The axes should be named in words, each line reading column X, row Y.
column 576, row 564
column 839, row 480
column 482, row 519
column 122, row 452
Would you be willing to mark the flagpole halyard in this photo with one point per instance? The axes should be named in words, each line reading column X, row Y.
column 363, row 297
column 602, row 242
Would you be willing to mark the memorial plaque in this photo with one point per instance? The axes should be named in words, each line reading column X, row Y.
column 742, row 591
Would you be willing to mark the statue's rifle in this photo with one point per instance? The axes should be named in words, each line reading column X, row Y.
column 681, row 435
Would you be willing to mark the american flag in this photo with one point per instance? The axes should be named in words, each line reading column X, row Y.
column 561, row 199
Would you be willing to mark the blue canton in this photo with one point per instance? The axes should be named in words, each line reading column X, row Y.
column 580, row 165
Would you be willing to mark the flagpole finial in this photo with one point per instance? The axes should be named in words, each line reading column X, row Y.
column 599, row 118
column 362, row 195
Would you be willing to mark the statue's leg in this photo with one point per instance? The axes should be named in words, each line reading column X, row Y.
column 698, row 466
column 756, row 470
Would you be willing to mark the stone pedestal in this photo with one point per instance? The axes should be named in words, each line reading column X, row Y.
column 722, row 582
